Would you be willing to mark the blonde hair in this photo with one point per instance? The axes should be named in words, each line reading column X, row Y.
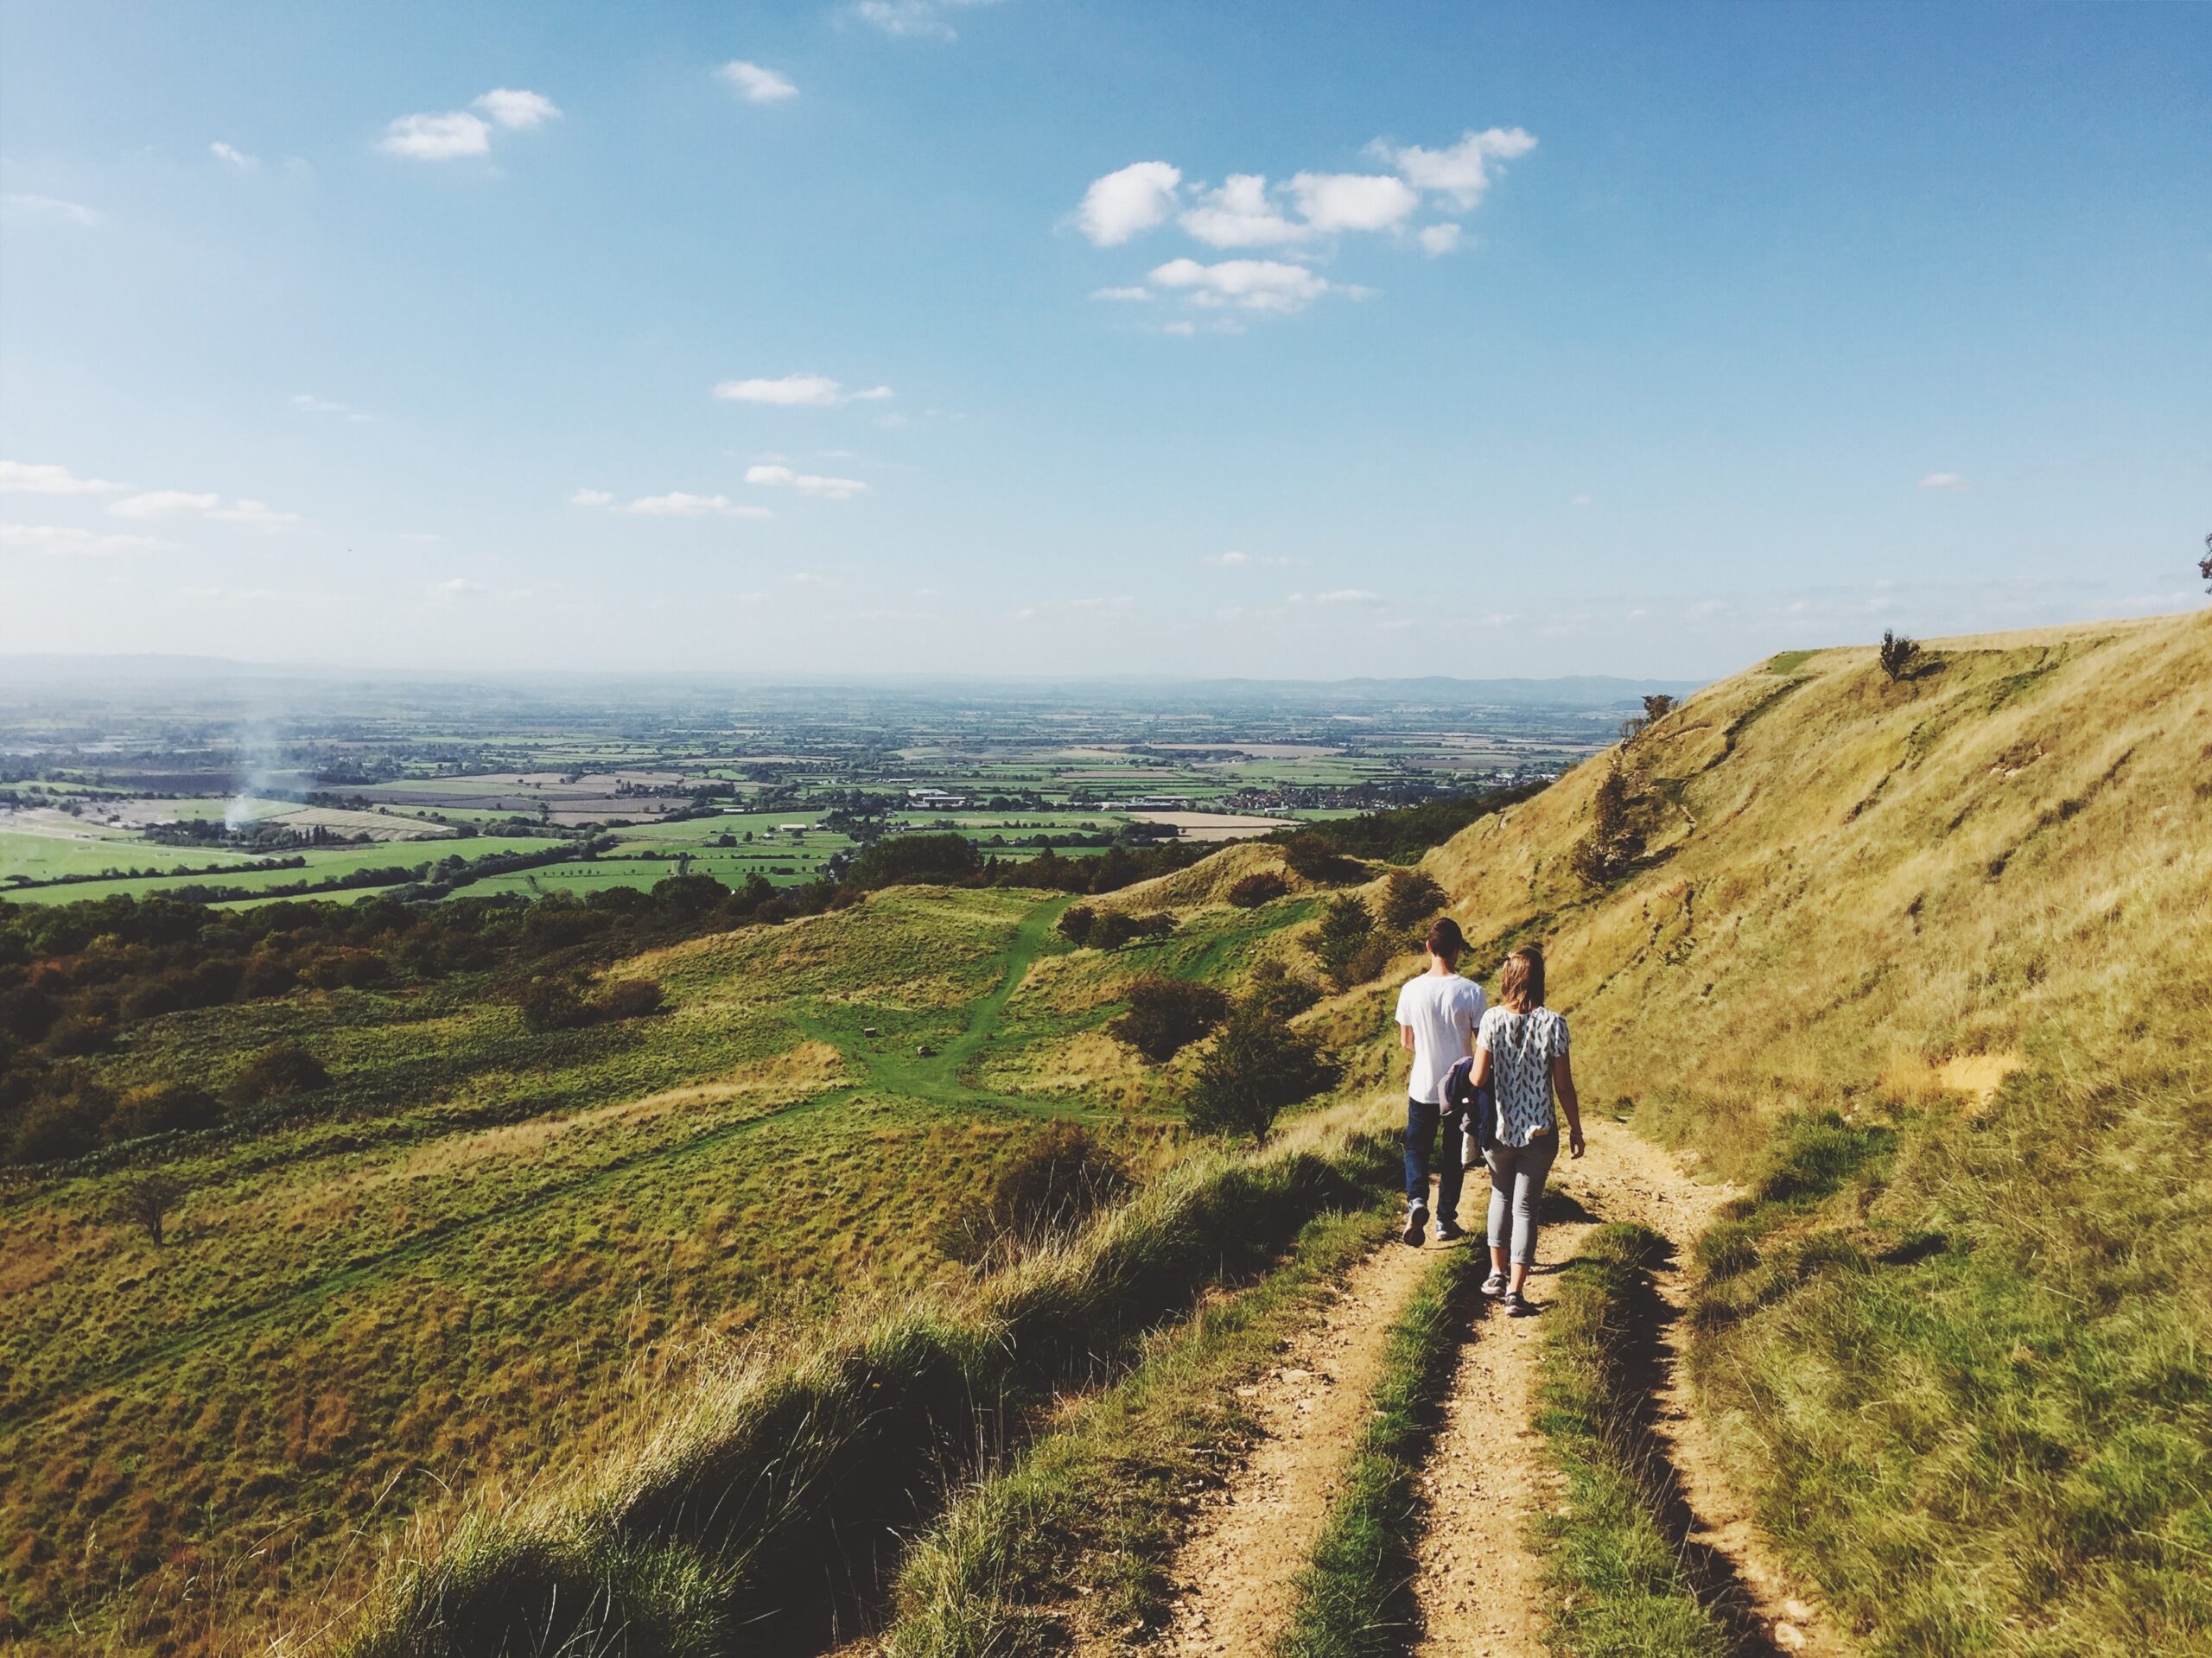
column 1521, row 985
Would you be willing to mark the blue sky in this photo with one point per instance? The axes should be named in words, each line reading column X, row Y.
column 1467, row 339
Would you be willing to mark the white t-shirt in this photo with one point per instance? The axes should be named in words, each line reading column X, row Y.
column 1443, row 1010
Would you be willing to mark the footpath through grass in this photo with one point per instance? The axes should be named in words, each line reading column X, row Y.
column 1356, row 1594
column 1622, row 1586
column 1072, row 1539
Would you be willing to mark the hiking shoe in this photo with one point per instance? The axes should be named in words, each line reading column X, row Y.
column 1416, row 1224
column 1494, row 1286
column 1520, row 1306
column 1450, row 1231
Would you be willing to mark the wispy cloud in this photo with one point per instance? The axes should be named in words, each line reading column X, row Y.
column 39, row 478
column 1051, row 609
column 757, row 86
column 1122, row 294
column 797, row 391
column 1460, row 173
column 456, row 134
column 1945, row 480
column 1235, row 560
column 61, row 541
column 676, row 504
column 232, row 156
column 1437, row 239
column 1337, row 596
column 1248, row 284
column 49, row 207
column 806, row 483
column 186, row 504
column 915, row 19
column 307, row 403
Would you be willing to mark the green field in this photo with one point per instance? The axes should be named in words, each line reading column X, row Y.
column 322, row 864
column 47, row 857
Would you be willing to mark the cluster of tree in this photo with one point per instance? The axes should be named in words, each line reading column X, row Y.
column 1261, row 886
column 294, row 862
column 1110, row 930
column 1655, row 709
column 1618, row 829
column 1395, row 836
column 1356, row 941
column 76, row 1110
column 1257, row 1068
column 1057, row 1181
column 211, row 831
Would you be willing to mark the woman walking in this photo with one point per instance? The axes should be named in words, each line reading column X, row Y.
column 1521, row 1051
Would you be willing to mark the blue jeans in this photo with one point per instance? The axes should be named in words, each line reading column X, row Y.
column 1421, row 1121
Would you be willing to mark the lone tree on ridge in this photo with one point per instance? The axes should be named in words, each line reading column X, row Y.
column 1897, row 653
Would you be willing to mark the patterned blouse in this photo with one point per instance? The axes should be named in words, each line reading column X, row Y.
column 1522, row 1047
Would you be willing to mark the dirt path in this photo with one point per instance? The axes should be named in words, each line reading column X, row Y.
column 1489, row 1476
column 1235, row 1573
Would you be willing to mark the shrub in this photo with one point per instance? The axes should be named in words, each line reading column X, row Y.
column 146, row 1202
column 1616, row 837
column 162, row 1108
column 1076, row 924
column 1896, row 653
column 1114, row 929
column 1258, row 888
column 1256, row 1069
column 66, row 1122
column 1342, row 940
column 1409, row 897
column 1280, row 994
column 277, row 1073
column 1166, row 1015
column 1056, row 1182
column 629, row 998
column 75, row 1035
column 1315, row 859
column 552, row 1005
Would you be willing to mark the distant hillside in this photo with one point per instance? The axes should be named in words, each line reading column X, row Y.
column 1930, row 962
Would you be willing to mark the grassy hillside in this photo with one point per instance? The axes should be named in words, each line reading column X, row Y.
column 1929, row 963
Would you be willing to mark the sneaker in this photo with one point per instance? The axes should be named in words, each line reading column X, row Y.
column 1450, row 1231
column 1416, row 1224
column 1520, row 1306
column 1494, row 1286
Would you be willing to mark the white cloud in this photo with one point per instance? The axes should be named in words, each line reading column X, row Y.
column 591, row 498
column 307, row 403
column 1123, row 203
column 232, row 154
column 1050, row 609
column 1338, row 596
column 437, row 137
column 1353, row 201
column 1120, row 293
column 460, row 587
column 39, row 478
column 758, row 85
column 56, row 539
column 36, row 207
column 1239, row 215
column 1183, row 327
column 1437, row 239
column 1944, row 480
column 184, row 504
column 1462, row 171
column 520, row 111
column 1234, row 560
column 1579, row 500
column 797, row 391
column 806, row 483
column 914, row 19
column 165, row 504
column 1249, row 284
column 679, row 504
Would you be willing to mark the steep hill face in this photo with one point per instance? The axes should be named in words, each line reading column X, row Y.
column 1928, row 963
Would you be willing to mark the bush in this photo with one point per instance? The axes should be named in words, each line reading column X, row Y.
column 279, row 1072
column 1615, row 838
column 1076, row 924
column 1341, row 944
column 629, row 998
column 1056, row 1182
column 1113, row 929
column 1166, row 1015
column 66, row 1123
column 162, row 1108
column 552, row 1005
column 1280, row 994
column 1257, row 889
column 76, row 1035
column 1256, row 1069
column 1897, row 654
column 1410, row 898
column 1314, row 858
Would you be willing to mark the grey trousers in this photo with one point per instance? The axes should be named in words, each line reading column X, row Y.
column 1517, row 1185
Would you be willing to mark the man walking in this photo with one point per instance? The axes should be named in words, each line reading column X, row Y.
column 1438, row 1014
